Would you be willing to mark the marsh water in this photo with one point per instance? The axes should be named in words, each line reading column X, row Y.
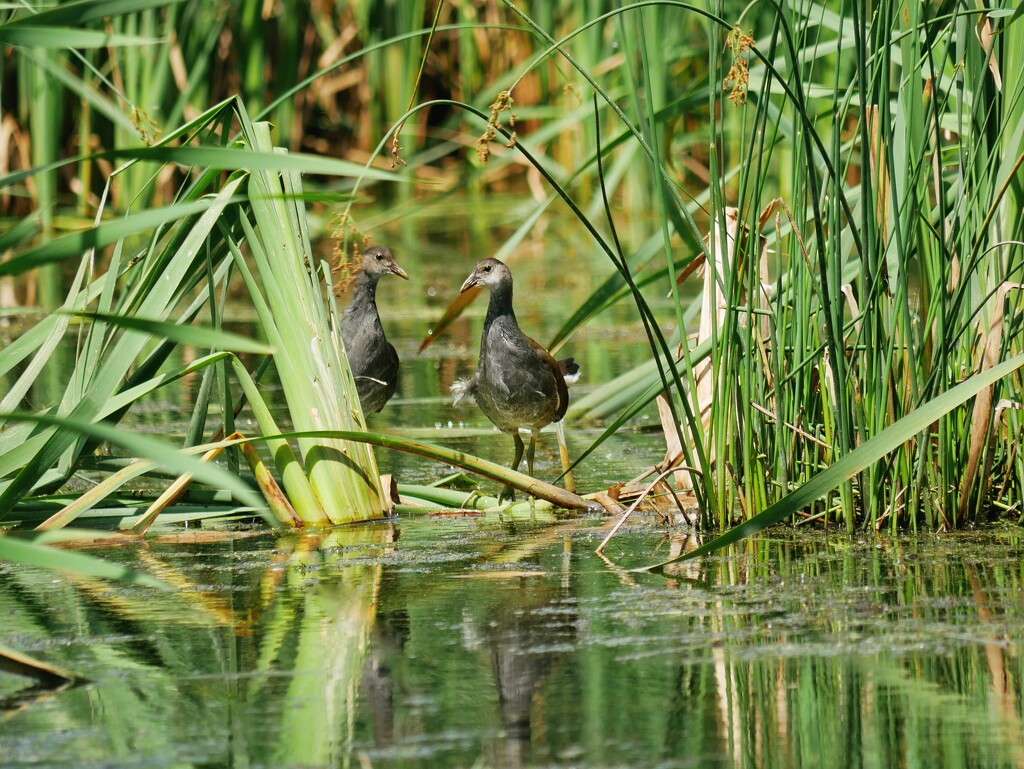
column 490, row 641
column 463, row 642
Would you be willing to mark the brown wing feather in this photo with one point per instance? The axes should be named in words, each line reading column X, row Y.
column 559, row 376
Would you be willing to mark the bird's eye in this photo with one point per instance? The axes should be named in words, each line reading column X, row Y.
column 487, row 268
column 380, row 257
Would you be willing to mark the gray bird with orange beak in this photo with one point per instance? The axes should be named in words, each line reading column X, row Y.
column 517, row 383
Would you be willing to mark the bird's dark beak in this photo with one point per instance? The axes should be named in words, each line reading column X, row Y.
column 472, row 280
column 397, row 270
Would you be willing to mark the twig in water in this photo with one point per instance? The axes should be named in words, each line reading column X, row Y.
column 636, row 504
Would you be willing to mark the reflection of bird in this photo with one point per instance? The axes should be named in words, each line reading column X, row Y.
column 530, row 631
column 517, row 382
column 372, row 357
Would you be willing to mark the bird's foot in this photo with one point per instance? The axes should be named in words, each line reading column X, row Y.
column 507, row 494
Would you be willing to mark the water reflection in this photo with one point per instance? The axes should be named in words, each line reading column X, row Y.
column 463, row 644
column 524, row 637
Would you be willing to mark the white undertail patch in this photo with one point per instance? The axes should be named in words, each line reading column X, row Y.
column 463, row 390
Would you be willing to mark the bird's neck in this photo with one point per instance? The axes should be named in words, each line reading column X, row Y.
column 500, row 305
column 364, row 291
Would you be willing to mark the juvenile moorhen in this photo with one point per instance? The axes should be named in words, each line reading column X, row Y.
column 372, row 357
column 517, row 382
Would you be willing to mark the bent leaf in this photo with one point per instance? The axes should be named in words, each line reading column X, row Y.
column 483, row 467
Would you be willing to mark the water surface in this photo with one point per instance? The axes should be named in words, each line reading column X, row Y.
column 487, row 643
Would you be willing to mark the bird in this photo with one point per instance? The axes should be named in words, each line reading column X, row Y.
column 373, row 359
column 517, row 384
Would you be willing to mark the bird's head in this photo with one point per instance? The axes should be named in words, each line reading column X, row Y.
column 488, row 273
column 379, row 261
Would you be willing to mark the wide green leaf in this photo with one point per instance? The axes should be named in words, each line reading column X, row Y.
column 232, row 159
column 84, row 11
column 220, row 158
column 104, row 235
column 63, row 37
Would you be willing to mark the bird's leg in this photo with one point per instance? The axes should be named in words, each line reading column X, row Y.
column 519, row 450
column 531, row 450
column 529, row 456
column 508, row 493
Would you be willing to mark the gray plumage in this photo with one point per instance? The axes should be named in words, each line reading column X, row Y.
column 517, row 384
column 373, row 358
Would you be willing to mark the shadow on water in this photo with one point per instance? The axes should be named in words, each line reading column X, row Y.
column 465, row 643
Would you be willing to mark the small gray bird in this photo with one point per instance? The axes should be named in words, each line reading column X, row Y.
column 372, row 357
column 517, row 382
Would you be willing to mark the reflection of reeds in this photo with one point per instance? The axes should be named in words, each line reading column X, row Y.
column 884, row 682
column 321, row 633
column 309, row 607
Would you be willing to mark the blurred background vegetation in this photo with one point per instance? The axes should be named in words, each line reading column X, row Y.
column 333, row 77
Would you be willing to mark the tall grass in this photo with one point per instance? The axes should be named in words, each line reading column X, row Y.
column 899, row 148
column 873, row 163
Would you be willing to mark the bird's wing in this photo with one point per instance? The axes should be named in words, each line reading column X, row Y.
column 558, row 376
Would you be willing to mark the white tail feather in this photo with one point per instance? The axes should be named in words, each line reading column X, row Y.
column 463, row 389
